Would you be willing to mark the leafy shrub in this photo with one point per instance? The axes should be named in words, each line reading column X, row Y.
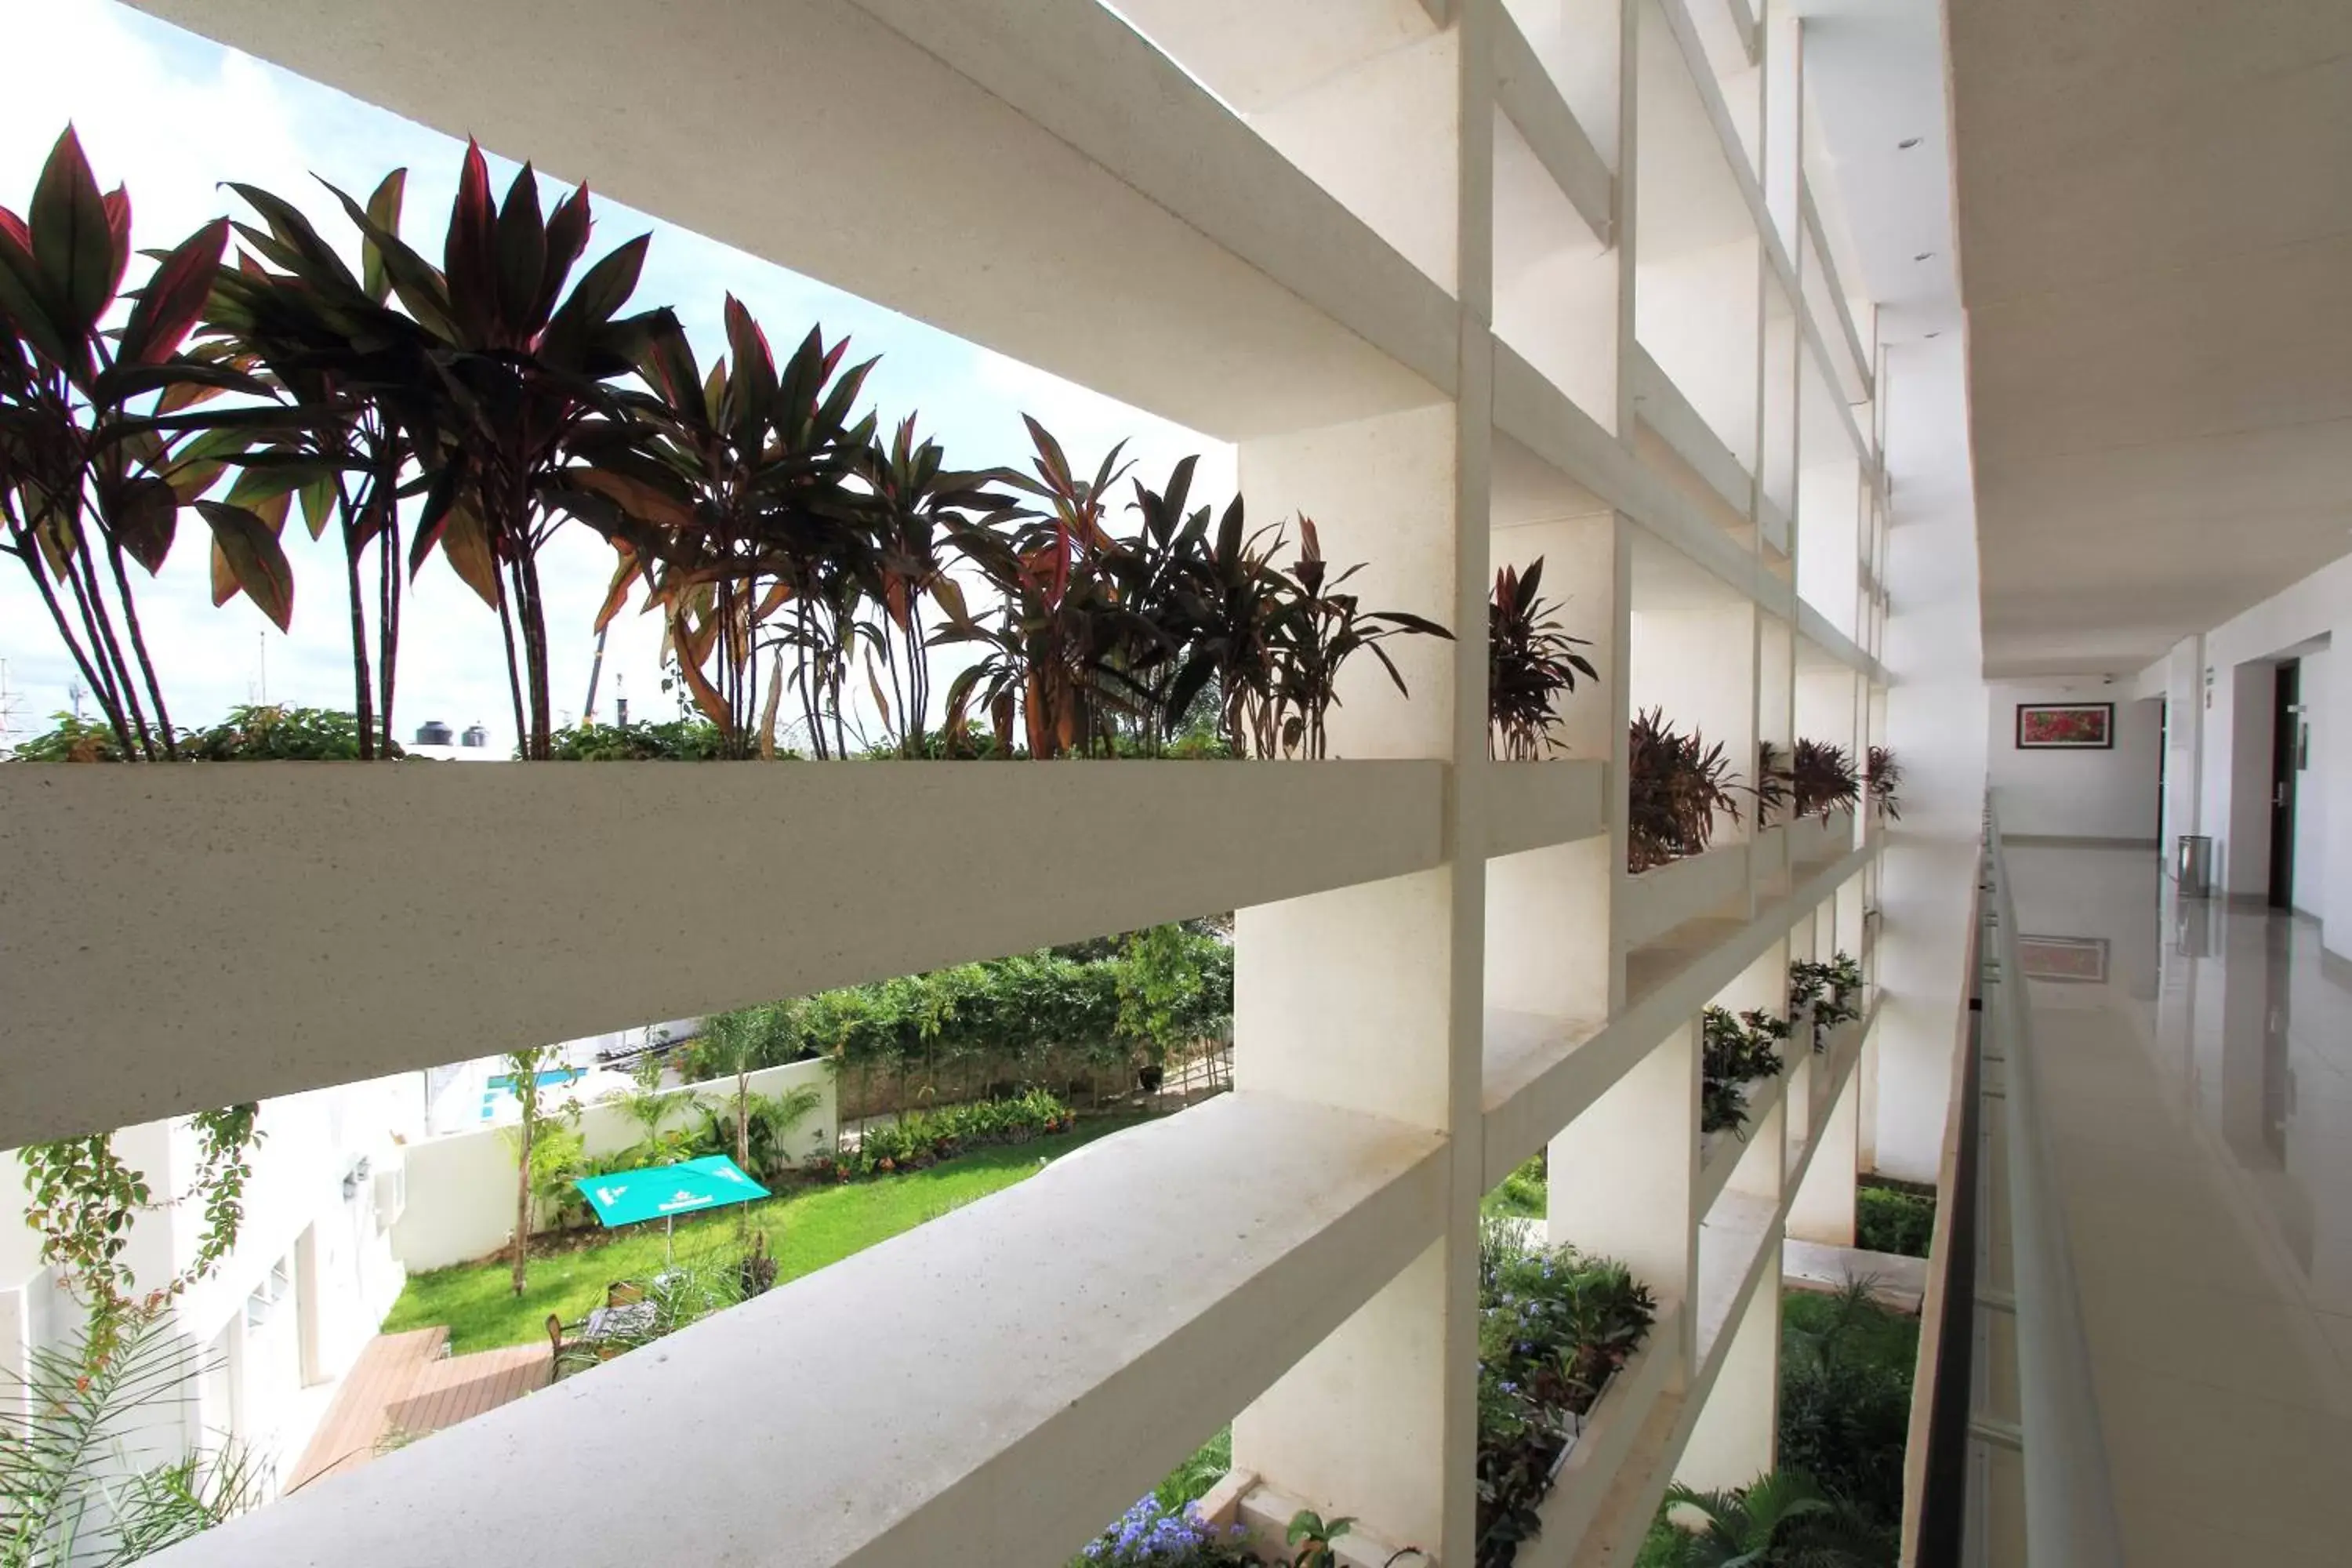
column 1005, row 1021
column 677, row 741
column 1675, row 785
column 1553, row 1328
column 253, row 732
column 1891, row 1219
column 921, row 1138
column 1845, row 1396
column 1832, row 989
column 1734, row 1051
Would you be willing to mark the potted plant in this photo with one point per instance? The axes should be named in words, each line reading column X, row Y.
column 1676, row 786
column 1531, row 663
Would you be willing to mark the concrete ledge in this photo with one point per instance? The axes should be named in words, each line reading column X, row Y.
column 1530, row 806
column 1110, row 220
column 1026, row 1368
column 1895, row 1281
column 220, row 932
column 1581, row 1488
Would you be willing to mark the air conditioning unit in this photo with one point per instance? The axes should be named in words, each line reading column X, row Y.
column 390, row 1196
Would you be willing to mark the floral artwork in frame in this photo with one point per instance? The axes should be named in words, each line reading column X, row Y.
column 2065, row 726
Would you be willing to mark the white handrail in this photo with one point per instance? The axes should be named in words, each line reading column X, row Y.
column 2070, row 1517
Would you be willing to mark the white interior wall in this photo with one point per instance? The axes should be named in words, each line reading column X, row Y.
column 1936, row 724
column 2077, row 795
column 2230, row 762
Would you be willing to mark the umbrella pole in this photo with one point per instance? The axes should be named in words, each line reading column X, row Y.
column 670, row 1242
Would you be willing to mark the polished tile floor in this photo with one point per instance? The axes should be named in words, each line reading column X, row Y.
column 2197, row 1075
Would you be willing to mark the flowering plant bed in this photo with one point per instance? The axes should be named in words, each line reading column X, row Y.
column 1554, row 1328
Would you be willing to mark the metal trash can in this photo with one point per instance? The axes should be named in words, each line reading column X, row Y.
column 2192, row 866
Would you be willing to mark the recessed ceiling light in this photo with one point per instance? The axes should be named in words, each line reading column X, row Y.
column 1907, row 144
column 1925, row 255
column 1935, row 335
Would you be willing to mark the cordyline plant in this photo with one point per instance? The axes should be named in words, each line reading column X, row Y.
column 514, row 380
column 1771, row 788
column 99, row 452
column 734, row 496
column 1821, row 780
column 1885, row 780
column 1531, row 663
column 361, row 377
column 1676, row 785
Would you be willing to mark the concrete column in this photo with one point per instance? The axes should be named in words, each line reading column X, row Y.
column 1623, row 1175
column 1369, row 997
column 1823, row 1207
column 1735, row 1438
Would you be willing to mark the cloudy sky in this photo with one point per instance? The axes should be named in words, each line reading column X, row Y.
column 172, row 115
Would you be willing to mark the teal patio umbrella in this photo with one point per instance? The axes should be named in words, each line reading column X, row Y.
column 665, row 1191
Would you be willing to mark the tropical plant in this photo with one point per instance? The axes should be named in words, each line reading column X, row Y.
column 1885, row 781
column 512, row 382
column 83, row 1479
column 358, row 375
column 1319, row 634
column 1154, row 1534
column 740, row 497
column 1822, row 779
column 1781, row 1520
column 1530, row 664
column 1677, row 785
column 101, row 446
column 1554, row 1326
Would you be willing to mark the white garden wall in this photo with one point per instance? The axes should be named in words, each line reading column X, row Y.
column 461, row 1188
column 2077, row 795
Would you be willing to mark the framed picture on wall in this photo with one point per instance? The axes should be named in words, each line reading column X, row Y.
column 2065, row 726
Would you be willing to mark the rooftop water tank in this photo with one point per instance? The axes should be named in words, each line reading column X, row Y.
column 475, row 736
column 433, row 733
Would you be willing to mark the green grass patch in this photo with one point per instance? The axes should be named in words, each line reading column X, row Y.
column 1523, row 1193
column 806, row 1230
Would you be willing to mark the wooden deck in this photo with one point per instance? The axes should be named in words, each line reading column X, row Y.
column 406, row 1385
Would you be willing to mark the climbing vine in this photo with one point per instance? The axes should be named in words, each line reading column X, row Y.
column 85, row 1199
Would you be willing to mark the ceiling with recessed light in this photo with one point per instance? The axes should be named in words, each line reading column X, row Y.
column 2155, row 210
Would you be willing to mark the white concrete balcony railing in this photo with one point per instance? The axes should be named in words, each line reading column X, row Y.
column 372, row 918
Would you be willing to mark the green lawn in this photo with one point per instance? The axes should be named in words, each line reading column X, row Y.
column 806, row 1230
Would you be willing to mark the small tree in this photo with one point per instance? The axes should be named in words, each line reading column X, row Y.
column 523, row 1068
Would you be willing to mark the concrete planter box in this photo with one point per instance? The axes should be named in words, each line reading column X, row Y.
column 1659, row 900
column 1580, row 1485
column 1768, row 853
column 1819, row 838
column 218, row 933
